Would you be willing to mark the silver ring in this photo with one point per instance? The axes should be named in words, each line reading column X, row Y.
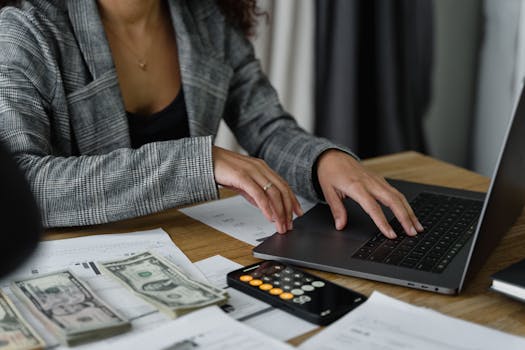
column 267, row 186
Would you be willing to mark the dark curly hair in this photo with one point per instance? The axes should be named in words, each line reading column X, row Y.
column 242, row 14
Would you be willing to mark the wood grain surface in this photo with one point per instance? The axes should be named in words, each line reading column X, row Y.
column 476, row 303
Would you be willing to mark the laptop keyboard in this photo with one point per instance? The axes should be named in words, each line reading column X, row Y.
column 449, row 222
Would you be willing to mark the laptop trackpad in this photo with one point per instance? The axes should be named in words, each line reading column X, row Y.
column 319, row 221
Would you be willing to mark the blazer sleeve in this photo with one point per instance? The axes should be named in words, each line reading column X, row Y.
column 261, row 125
column 94, row 189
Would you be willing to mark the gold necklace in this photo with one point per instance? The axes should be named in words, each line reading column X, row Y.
column 142, row 61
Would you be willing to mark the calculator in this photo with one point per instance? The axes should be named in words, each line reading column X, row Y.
column 293, row 290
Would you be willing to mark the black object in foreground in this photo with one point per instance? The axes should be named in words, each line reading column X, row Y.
column 20, row 225
column 295, row 291
column 511, row 281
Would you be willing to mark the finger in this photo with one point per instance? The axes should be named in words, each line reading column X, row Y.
column 297, row 209
column 251, row 188
column 413, row 218
column 336, row 207
column 285, row 200
column 275, row 200
column 276, row 203
column 392, row 199
column 286, row 193
column 372, row 208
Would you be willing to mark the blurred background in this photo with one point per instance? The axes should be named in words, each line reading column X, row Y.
column 381, row 76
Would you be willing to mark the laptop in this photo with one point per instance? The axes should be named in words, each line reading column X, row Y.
column 461, row 229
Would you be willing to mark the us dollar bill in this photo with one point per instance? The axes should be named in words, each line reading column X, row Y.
column 69, row 308
column 162, row 284
column 15, row 332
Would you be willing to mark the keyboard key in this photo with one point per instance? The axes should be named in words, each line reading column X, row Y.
column 380, row 253
column 408, row 262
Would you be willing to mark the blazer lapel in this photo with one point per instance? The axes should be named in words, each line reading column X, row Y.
column 91, row 38
column 97, row 111
column 205, row 76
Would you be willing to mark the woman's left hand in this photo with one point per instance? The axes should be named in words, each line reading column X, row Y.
column 341, row 175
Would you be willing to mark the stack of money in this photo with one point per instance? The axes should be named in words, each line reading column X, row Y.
column 161, row 283
column 15, row 332
column 68, row 308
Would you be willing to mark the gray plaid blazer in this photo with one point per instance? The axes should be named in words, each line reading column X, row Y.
column 62, row 115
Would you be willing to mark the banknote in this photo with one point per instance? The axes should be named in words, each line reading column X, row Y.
column 161, row 283
column 69, row 308
column 15, row 332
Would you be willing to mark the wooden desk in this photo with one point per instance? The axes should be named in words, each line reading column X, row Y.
column 476, row 303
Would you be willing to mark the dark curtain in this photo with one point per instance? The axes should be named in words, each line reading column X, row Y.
column 373, row 73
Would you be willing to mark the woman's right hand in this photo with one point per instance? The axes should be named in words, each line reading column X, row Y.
column 260, row 185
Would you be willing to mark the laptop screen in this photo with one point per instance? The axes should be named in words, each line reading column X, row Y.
column 506, row 196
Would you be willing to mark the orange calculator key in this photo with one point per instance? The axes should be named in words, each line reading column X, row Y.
column 256, row 282
column 246, row 278
column 266, row 286
column 276, row 291
column 286, row 296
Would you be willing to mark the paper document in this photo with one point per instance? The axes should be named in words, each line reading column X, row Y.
column 81, row 255
column 253, row 312
column 237, row 218
column 208, row 328
column 385, row 323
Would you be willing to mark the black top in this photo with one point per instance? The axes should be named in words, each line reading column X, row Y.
column 169, row 124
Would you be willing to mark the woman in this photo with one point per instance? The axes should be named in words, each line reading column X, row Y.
column 86, row 87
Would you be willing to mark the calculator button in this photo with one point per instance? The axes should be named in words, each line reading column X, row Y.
column 246, row 278
column 308, row 279
column 278, row 267
column 287, row 279
column 277, row 275
column 266, row 279
column 265, row 286
column 256, row 282
column 318, row 284
column 256, row 274
column 287, row 271
column 302, row 299
column 276, row 291
column 297, row 283
column 297, row 291
column 276, row 283
column 298, row 275
column 307, row 288
column 286, row 296
column 287, row 287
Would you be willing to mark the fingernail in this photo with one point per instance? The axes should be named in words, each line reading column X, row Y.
column 392, row 234
column 338, row 224
column 419, row 226
column 290, row 225
column 301, row 212
column 413, row 231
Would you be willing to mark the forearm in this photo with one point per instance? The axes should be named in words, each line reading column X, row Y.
column 125, row 183
column 293, row 153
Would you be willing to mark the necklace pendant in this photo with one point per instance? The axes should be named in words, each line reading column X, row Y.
column 143, row 65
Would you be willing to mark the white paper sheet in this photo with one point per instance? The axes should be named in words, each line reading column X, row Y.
column 385, row 323
column 237, row 218
column 208, row 328
column 257, row 314
column 81, row 256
